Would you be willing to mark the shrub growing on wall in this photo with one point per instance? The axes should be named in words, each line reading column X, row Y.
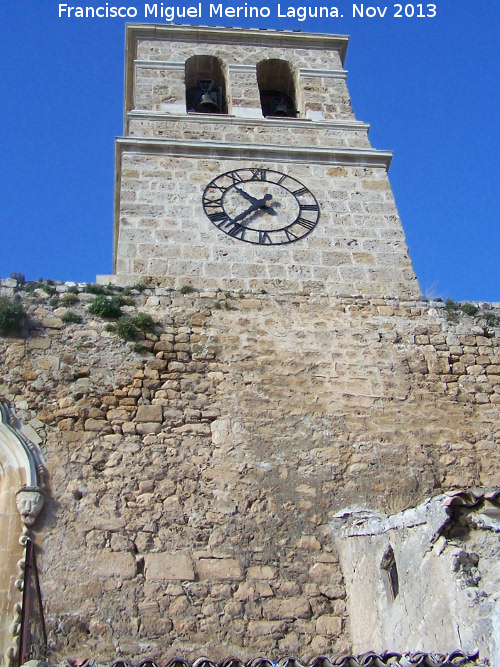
column 11, row 315
column 125, row 328
column 104, row 307
column 143, row 322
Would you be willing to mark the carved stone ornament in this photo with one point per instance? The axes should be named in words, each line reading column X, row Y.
column 29, row 501
column 19, row 451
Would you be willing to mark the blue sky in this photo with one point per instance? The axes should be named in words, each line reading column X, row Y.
column 429, row 87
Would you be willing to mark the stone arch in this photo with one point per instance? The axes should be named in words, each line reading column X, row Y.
column 22, row 492
column 277, row 87
column 206, row 88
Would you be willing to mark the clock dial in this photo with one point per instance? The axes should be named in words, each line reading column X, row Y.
column 261, row 206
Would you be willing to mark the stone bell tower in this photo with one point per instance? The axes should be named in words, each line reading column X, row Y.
column 243, row 167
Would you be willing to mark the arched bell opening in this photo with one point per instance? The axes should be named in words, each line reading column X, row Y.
column 277, row 89
column 205, row 85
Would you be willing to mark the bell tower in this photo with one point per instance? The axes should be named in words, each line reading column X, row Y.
column 243, row 167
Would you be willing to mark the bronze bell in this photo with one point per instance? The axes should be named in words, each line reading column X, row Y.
column 280, row 110
column 279, row 107
column 207, row 104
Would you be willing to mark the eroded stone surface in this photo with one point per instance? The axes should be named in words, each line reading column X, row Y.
column 273, row 419
column 445, row 553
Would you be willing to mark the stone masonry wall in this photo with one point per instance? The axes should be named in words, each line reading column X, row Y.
column 156, row 49
column 357, row 247
column 291, row 132
column 192, row 486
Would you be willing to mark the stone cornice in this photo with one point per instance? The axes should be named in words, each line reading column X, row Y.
column 250, row 37
column 225, row 150
column 160, row 64
column 323, row 73
column 220, row 119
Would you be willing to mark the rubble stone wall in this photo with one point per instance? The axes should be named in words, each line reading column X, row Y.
column 192, row 487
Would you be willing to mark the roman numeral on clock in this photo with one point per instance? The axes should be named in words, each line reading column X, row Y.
column 218, row 217
column 264, row 238
column 300, row 191
column 309, row 207
column 259, row 174
column 237, row 231
column 214, row 186
column 212, row 203
column 308, row 224
column 236, row 177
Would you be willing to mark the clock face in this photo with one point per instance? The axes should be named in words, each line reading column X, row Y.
column 261, row 206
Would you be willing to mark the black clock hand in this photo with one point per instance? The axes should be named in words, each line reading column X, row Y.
column 269, row 209
column 248, row 197
column 249, row 210
column 258, row 203
column 253, row 200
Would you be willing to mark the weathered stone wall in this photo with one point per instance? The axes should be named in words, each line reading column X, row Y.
column 290, row 133
column 192, row 488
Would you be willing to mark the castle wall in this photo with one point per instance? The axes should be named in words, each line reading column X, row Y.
column 193, row 487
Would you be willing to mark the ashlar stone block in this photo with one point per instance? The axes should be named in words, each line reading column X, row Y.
column 149, row 414
column 176, row 566
column 114, row 564
column 219, row 569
